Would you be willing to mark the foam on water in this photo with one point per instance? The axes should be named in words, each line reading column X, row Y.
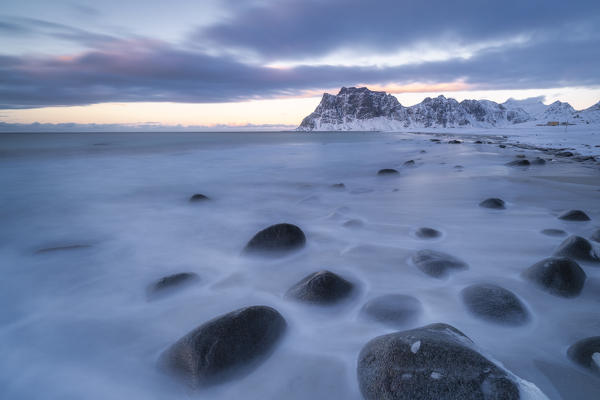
column 76, row 323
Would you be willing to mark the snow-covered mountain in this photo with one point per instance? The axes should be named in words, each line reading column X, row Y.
column 355, row 109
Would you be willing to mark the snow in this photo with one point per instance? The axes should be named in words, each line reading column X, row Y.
column 415, row 346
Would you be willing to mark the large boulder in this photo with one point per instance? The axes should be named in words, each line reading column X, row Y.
column 495, row 304
column 560, row 276
column 169, row 283
column 433, row 362
column 574, row 215
column 578, row 248
column 226, row 347
column 392, row 309
column 586, row 353
column 323, row 287
column 277, row 239
column 437, row 264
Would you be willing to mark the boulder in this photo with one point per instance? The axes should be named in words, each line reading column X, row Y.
column 578, row 248
column 559, row 276
column 323, row 287
column 166, row 284
column 409, row 163
column 428, row 233
column 586, row 353
column 437, row 264
column 433, row 362
column 387, row 171
column 494, row 203
column 226, row 347
column 519, row 163
column 454, row 141
column 393, row 309
column 277, row 239
column 495, row 304
column 574, row 215
column 198, row 197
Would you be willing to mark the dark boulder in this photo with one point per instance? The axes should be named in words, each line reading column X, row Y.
column 574, row 215
column 435, row 140
column 277, row 239
column 393, row 309
column 198, row 197
column 519, row 163
column 436, row 263
column 502, row 146
column 387, row 171
column 226, row 347
column 495, row 304
column 167, row 284
column 495, row 203
column 478, row 142
column 554, row 232
column 560, row 276
column 565, row 154
column 428, row 233
column 323, row 287
column 578, row 248
column 433, row 362
column 454, row 141
column 409, row 163
column 586, row 353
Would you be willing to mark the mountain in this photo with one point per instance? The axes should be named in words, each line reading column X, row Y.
column 360, row 109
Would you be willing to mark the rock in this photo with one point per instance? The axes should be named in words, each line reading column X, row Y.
column 338, row 186
column 428, row 233
column 454, row 141
column 435, row 140
column 393, row 309
column 502, row 146
column 353, row 223
column 62, row 248
column 554, row 232
column 458, row 167
column 277, row 239
column 495, row 203
column 226, row 347
column 518, row 163
column 198, row 197
column 595, row 235
column 168, row 283
column 564, row 154
column 574, row 215
column 433, row 362
column 586, row 353
column 538, row 161
column 560, row 276
column 422, row 151
column 520, row 156
column 387, row 171
column 436, row 263
column 578, row 248
column 495, row 304
column 409, row 163
column 323, row 287
column 478, row 142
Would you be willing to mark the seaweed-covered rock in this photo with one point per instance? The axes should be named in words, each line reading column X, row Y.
column 392, row 309
column 437, row 264
column 494, row 203
column 226, row 347
column 495, row 304
column 277, row 239
column 433, row 362
column 323, row 287
column 578, row 248
column 560, row 276
column 167, row 284
column 387, row 171
column 574, row 215
column 586, row 353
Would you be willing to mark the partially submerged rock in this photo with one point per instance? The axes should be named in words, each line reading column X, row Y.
column 495, row 304
column 428, row 233
column 578, row 248
column 437, row 264
column 494, row 203
column 277, row 239
column 538, row 161
column 167, row 284
column 433, row 362
column 554, row 232
column 226, row 347
column 586, row 353
column 338, row 186
column 574, row 215
column 454, row 141
column 519, row 163
column 559, row 276
column 393, row 309
column 323, row 287
column 387, row 171
column 198, row 197
column 409, row 163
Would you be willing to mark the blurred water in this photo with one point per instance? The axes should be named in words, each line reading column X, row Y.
column 75, row 324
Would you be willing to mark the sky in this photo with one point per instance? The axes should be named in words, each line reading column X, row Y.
column 266, row 63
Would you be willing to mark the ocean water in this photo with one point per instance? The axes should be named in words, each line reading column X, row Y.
column 76, row 323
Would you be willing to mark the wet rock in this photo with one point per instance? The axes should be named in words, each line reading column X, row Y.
column 198, row 197
column 565, row 154
column 226, row 347
column 578, row 248
column 520, row 156
column 454, row 141
column 387, row 171
column 323, row 287
column 409, row 163
column 495, row 203
column 393, row 309
column 478, row 142
column 277, row 239
column 338, row 186
column 596, row 235
column 427, row 233
column 436, row 263
column 62, row 248
column 538, row 161
column 560, row 276
column 586, row 353
column 433, row 362
column 554, row 232
column 422, row 151
column 435, row 140
column 519, row 163
column 574, row 215
column 167, row 284
column 502, row 146
column 495, row 304
column 353, row 223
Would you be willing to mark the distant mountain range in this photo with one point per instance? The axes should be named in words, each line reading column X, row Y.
column 360, row 109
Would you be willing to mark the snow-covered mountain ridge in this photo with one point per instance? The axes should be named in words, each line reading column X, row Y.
column 360, row 109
